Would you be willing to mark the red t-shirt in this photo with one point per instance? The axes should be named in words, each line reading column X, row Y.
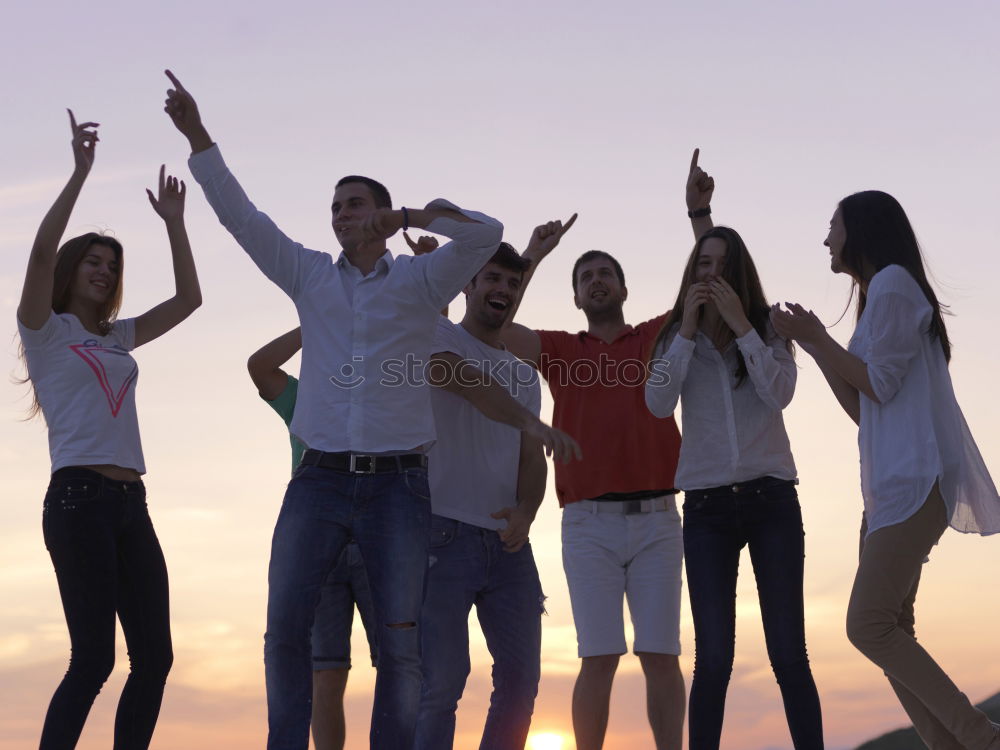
column 599, row 392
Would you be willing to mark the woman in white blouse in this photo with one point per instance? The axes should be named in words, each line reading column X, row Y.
column 97, row 530
column 920, row 468
column 719, row 356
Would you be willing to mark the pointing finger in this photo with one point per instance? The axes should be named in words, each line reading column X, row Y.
column 568, row 224
column 694, row 160
column 173, row 79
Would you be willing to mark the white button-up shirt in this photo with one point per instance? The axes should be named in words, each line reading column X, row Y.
column 915, row 434
column 729, row 434
column 365, row 339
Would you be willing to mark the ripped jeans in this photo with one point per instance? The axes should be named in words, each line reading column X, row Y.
column 468, row 566
column 388, row 515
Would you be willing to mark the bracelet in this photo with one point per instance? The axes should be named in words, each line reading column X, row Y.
column 406, row 218
column 700, row 212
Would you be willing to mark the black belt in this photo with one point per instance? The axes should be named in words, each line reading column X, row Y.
column 743, row 488
column 357, row 463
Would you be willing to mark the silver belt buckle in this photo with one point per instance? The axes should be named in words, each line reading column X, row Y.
column 353, row 465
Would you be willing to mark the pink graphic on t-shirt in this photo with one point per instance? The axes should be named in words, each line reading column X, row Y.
column 92, row 354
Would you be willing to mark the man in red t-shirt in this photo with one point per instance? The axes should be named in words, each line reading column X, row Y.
column 621, row 531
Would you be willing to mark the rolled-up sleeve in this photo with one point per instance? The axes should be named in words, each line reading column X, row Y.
column 283, row 261
column 897, row 324
column 447, row 270
column 771, row 368
column 667, row 372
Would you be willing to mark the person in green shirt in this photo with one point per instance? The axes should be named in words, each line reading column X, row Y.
column 345, row 587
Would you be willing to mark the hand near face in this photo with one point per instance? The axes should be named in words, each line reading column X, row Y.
column 697, row 295
column 700, row 185
column 425, row 244
column 84, row 141
column 730, row 306
column 380, row 225
column 169, row 202
column 797, row 324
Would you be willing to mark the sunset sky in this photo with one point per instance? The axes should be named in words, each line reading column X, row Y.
column 528, row 111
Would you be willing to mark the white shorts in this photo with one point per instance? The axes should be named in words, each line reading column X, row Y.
column 608, row 556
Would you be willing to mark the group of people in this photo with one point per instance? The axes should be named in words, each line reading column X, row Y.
column 418, row 465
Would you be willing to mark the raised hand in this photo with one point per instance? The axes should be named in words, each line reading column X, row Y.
column 380, row 225
column 546, row 236
column 729, row 305
column 84, row 142
column 798, row 324
column 700, row 185
column 426, row 244
column 698, row 294
column 183, row 111
column 515, row 534
column 169, row 202
column 560, row 446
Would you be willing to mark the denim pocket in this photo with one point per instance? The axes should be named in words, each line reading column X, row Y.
column 416, row 483
column 68, row 494
column 443, row 531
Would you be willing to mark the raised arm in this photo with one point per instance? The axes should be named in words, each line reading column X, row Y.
column 531, row 474
column 36, row 295
column 264, row 365
column 169, row 206
column 699, row 191
column 452, row 373
column 520, row 340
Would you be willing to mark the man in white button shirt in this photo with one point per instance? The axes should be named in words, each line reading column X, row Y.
column 367, row 321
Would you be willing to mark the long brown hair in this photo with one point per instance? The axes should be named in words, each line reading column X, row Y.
column 740, row 273
column 68, row 259
column 878, row 231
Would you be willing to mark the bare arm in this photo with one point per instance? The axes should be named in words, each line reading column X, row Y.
column 169, row 205
column 531, row 474
column 456, row 375
column 36, row 295
column 265, row 364
column 846, row 374
column 699, row 190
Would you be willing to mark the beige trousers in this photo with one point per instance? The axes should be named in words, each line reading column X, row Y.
column 880, row 624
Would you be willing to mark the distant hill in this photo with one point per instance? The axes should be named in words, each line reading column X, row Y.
column 906, row 739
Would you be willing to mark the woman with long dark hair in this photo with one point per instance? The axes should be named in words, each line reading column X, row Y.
column 106, row 555
column 719, row 355
column 920, row 468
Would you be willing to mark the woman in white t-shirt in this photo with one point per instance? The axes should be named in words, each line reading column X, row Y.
column 920, row 468
column 719, row 356
column 97, row 529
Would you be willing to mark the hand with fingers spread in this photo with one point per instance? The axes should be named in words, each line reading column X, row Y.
column 183, row 111
column 425, row 244
column 515, row 534
column 84, row 142
column 169, row 201
column 545, row 238
column 560, row 446
column 730, row 306
column 798, row 324
column 700, row 185
column 698, row 295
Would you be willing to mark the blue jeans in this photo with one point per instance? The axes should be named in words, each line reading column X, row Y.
column 344, row 588
column 717, row 525
column 388, row 514
column 108, row 562
column 468, row 566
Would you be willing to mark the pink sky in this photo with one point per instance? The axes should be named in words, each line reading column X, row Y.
column 528, row 111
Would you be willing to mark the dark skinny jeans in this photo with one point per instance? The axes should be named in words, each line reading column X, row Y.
column 718, row 523
column 108, row 562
